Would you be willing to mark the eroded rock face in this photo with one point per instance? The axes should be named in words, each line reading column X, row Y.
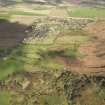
column 49, row 88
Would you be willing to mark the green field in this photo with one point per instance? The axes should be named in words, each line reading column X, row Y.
column 9, row 14
column 4, row 16
column 34, row 10
column 73, row 11
column 86, row 12
column 4, row 98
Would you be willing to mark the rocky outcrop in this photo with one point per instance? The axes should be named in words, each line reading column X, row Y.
column 45, row 27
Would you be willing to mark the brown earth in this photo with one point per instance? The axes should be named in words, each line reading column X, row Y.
column 94, row 61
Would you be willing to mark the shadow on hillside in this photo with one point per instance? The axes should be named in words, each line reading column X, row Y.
column 11, row 33
column 7, row 2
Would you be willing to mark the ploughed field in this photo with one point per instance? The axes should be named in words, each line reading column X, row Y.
column 53, row 61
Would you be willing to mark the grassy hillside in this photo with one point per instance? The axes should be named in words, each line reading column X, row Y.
column 38, row 53
column 56, row 58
